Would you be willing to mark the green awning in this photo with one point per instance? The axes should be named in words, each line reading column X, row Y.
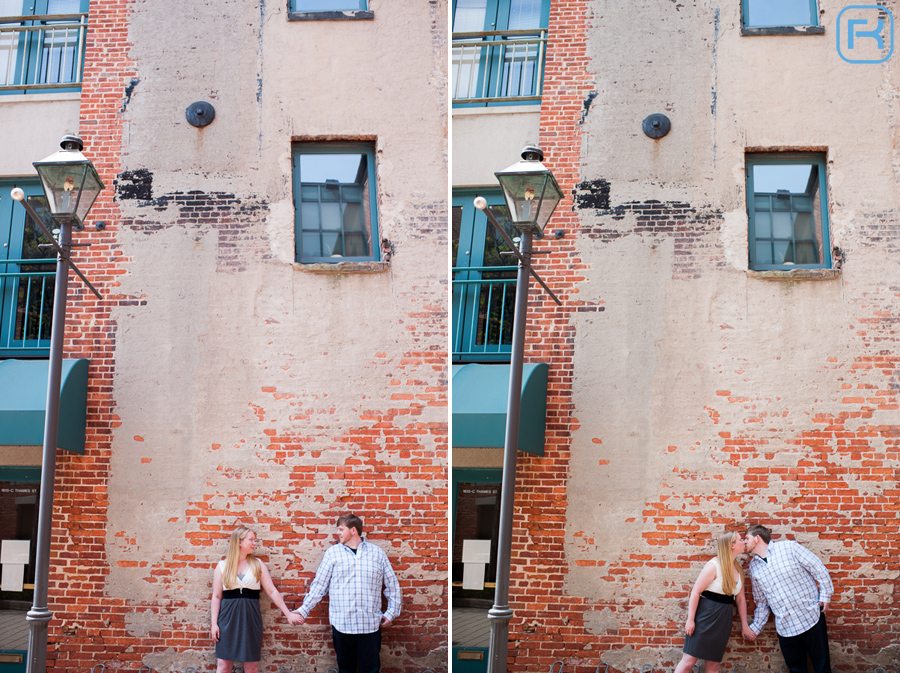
column 479, row 406
column 23, row 401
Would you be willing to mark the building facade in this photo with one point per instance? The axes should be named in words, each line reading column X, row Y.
column 726, row 352
column 270, row 348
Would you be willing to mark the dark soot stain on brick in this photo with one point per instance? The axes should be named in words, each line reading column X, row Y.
column 140, row 189
column 593, row 194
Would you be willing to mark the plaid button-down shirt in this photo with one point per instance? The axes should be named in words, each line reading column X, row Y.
column 353, row 583
column 791, row 582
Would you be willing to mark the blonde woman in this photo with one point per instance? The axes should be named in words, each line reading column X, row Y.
column 711, row 606
column 236, row 617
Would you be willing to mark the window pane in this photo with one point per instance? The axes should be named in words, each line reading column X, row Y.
column 781, row 225
column 327, row 5
column 309, row 192
column 524, row 14
column 763, row 252
column 763, row 223
column 353, row 218
column 779, row 13
column 309, row 216
column 331, row 245
column 781, row 249
column 331, row 216
column 806, row 253
column 469, row 16
column 312, row 246
column 803, row 226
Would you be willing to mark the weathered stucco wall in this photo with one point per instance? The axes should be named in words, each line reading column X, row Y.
column 689, row 394
column 486, row 140
column 242, row 387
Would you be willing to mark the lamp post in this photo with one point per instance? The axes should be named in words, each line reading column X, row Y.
column 71, row 186
column 532, row 194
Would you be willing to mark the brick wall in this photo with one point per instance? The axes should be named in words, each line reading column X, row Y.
column 292, row 462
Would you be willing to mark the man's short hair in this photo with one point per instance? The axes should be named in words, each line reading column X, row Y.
column 762, row 531
column 351, row 521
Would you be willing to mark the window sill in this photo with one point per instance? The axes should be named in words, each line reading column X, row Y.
column 349, row 15
column 344, row 267
column 795, row 274
column 783, row 30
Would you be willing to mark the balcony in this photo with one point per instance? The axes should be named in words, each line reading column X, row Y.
column 484, row 300
column 42, row 52
column 26, row 301
column 498, row 67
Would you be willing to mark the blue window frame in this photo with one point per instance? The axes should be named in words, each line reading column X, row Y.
column 484, row 281
column 41, row 45
column 327, row 5
column 335, row 202
column 788, row 211
column 27, row 281
column 498, row 51
column 779, row 13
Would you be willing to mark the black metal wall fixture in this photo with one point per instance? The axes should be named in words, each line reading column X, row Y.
column 200, row 114
column 657, row 126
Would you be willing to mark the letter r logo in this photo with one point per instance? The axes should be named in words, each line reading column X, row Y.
column 863, row 35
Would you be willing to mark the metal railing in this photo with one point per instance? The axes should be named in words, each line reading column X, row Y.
column 498, row 66
column 26, row 301
column 483, row 311
column 44, row 51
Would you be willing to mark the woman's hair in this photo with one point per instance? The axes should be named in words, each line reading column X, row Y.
column 229, row 577
column 727, row 560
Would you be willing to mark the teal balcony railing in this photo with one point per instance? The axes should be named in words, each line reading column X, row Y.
column 484, row 300
column 26, row 300
column 498, row 66
column 41, row 52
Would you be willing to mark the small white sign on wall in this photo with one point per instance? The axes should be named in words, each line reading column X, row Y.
column 12, row 578
column 14, row 551
column 473, row 576
column 476, row 551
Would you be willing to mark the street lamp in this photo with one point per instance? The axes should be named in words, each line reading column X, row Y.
column 531, row 194
column 71, row 186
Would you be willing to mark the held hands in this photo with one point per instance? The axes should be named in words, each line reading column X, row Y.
column 689, row 627
column 294, row 619
column 748, row 633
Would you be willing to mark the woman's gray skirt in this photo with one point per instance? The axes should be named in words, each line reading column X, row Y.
column 240, row 630
column 712, row 627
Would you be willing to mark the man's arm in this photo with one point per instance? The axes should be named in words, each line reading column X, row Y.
column 392, row 591
column 819, row 572
column 319, row 586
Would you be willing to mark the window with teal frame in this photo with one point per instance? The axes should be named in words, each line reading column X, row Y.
column 498, row 51
column 788, row 212
column 27, row 277
column 779, row 13
column 324, row 10
column 484, row 280
column 42, row 45
column 335, row 202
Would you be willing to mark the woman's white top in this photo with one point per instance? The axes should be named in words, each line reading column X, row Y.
column 716, row 586
column 245, row 581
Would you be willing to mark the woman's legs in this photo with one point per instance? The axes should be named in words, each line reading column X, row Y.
column 251, row 667
column 687, row 663
column 224, row 666
column 712, row 667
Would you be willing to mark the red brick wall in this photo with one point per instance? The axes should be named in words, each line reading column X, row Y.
column 392, row 470
column 550, row 616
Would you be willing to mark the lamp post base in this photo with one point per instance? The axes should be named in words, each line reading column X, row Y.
column 38, row 620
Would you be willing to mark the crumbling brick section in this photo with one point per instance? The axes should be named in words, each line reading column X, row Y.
column 694, row 233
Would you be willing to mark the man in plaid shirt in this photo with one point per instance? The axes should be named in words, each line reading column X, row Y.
column 353, row 573
column 792, row 582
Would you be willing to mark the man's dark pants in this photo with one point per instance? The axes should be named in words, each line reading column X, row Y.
column 362, row 649
column 813, row 643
